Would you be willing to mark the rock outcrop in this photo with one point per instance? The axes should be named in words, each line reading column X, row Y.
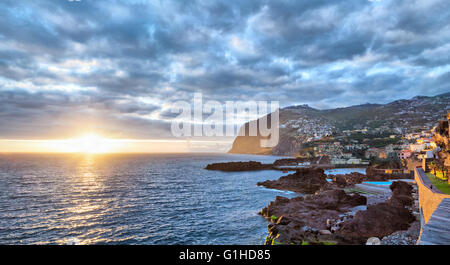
column 306, row 220
column 335, row 217
column 304, row 180
column 238, row 166
column 381, row 219
column 349, row 179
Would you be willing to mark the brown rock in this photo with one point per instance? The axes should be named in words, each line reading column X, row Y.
column 238, row 166
column 381, row 219
column 304, row 180
column 349, row 179
column 401, row 193
column 301, row 218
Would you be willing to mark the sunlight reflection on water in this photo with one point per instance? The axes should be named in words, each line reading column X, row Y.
column 131, row 199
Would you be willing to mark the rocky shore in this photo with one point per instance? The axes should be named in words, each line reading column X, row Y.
column 405, row 237
column 329, row 215
column 238, row 166
column 291, row 164
column 304, row 180
column 382, row 219
column 308, row 220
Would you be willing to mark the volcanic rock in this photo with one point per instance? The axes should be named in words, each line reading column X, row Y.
column 238, row 166
column 304, row 219
column 381, row 219
column 349, row 179
column 304, row 180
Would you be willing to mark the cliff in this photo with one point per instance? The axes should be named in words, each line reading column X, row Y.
column 246, row 144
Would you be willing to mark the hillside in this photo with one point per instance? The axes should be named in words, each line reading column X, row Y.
column 302, row 125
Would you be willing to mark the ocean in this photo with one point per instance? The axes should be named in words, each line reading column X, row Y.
column 131, row 199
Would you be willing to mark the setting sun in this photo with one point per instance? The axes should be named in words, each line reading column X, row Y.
column 93, row 144
column 89, row 143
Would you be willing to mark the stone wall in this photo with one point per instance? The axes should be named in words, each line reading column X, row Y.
column 428, row 199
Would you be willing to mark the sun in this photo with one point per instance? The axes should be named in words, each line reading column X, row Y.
column 89, row 143
column 92, row 144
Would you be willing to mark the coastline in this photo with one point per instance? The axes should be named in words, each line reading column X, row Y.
column 325, row 230
column 335, row 216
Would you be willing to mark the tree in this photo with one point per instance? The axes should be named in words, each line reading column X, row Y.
column 432, row 166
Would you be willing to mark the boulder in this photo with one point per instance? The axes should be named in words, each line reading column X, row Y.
column 401, row 194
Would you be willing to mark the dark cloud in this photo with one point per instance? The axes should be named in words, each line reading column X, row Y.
column 67, row 65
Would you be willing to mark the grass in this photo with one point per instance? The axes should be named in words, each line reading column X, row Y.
column 441, row 185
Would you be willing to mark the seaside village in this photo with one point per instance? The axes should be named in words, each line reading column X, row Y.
column 382, row 148
column 420, row 157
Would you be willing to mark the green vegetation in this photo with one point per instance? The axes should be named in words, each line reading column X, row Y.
column 276, row 243
column 443, row 186
column 374, row 140
column 382, row 142
column 273, row 218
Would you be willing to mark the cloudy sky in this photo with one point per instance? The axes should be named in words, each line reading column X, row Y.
column 118, row 66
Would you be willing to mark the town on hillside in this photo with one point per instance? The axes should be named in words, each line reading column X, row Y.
column 385, row 148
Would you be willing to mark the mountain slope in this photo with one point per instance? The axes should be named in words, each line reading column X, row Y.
column 300, row 125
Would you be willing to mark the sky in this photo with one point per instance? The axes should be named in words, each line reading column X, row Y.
column 117, row 67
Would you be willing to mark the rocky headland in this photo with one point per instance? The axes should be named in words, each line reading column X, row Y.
column 279, row 164
column 239, row 166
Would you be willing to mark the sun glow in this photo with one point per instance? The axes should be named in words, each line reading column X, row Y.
column 93, row 144
column 88, row 143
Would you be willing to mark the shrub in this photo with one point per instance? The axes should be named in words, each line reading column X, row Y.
column 273, row 218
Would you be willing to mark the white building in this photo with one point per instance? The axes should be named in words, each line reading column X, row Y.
column 417, row 148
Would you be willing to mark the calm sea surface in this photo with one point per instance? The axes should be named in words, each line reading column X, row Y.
column 131, row 199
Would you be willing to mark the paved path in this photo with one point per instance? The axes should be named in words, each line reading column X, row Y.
column 437, row 230
column 427, row 182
